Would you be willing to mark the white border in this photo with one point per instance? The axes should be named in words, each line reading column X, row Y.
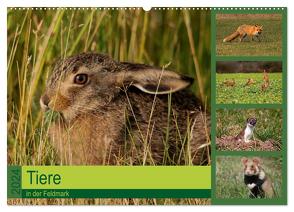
column 146, row 4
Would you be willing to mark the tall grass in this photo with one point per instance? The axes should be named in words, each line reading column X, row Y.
column 37, row 38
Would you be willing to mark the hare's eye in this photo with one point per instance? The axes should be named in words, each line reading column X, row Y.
column 81, row 79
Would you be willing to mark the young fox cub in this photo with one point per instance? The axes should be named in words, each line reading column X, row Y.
column 266, row 81
column 250, row 81
column 243, row 31
column 231, row 83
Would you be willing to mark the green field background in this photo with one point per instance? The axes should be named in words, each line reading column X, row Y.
column 252, row 94
column 271, row 37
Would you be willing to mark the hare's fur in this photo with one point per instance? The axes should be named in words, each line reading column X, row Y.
column 122, row 114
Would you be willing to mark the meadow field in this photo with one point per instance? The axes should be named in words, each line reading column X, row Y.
column 271, row 37
column 230, row 177
column 36, row 39
column 267, row 133
column 252, row 94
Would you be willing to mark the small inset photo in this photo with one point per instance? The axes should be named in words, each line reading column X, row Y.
column 249, row 129
column 249, row 34
column 249, row 82
column 248, row 177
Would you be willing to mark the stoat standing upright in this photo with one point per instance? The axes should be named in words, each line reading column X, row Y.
column 256, row 180
column 247, row 133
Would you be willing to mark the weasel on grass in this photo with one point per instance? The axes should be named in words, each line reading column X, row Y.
column 247, row 133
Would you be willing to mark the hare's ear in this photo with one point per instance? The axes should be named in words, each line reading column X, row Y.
column 154, row 81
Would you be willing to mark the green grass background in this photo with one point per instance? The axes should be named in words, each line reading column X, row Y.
column 240, row 94
column 229, row 176
column 268, row 127
column 271, row 37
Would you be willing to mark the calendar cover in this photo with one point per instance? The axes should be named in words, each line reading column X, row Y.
column 123, row 106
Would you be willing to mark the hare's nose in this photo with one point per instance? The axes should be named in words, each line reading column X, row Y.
column 44, row 102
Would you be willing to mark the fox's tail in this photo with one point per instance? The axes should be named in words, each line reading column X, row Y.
column 231, row 37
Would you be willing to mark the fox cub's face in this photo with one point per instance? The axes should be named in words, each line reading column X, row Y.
column 258, row 29
column 88, row 82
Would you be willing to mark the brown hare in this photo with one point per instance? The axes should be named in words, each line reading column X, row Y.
column 121, row 113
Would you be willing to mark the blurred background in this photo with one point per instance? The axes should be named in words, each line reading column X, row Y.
column 248, row 66
column 37, row 37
